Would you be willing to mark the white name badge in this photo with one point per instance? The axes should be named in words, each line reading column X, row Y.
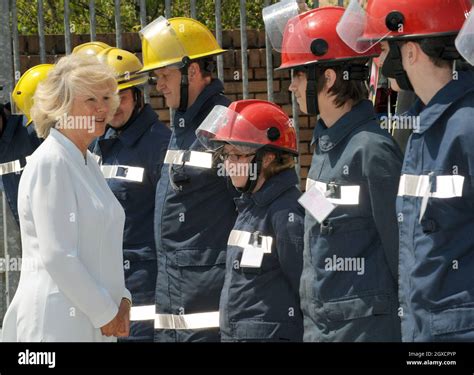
column 316, row 203
column 252, row 257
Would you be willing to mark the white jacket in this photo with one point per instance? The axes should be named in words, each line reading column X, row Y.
column 72, row 278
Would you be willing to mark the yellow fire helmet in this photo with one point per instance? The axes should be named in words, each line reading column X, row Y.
column 90, row 48
column 175, row 41
column 22, row 95
column 125, row 64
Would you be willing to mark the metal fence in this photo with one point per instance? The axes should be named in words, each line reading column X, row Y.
column 9, row 38
column 10, row 73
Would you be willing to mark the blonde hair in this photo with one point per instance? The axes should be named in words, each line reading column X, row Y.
column 72, row 76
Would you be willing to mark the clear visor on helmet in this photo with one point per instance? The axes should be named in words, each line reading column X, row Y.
column 275, row 17
column 287, row 30
column 161, row 30
column 223, row 125
column 465, row 39
column 359, row 30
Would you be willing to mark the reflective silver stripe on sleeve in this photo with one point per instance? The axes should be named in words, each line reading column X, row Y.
column 10, row 167
column 123, row 172
column 196, row 158
column 188, row 321
column 170, row 321
column 349, row 193
column 243, row 239
column 450, row 186
column 142, row 312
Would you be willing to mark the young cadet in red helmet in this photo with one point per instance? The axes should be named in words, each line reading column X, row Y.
column 349, row 282
column 435, row 203
column 256, row 143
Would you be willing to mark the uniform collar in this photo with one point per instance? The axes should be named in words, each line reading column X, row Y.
column 444, row 98
column 214, row 88
column 145, row 118
column 328, row 138
column 74, row 153
column 271, row 189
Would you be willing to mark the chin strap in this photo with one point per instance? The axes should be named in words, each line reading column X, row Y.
column 312, row 106
column 393, row 67
column 138, row 94
column 251, row 183
column 136, row 110
column 184, row 87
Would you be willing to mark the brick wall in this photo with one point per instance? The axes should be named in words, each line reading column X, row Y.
column 29, row 51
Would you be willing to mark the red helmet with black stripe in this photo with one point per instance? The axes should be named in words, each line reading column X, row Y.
column 310, row 38
column 366, row 23
column 253, row 123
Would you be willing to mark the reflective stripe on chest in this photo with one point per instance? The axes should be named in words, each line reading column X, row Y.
column 191, row 158
column 450, row 186
column 123, row 172
column 336, row 194
column 12, row 167
column 244, row 239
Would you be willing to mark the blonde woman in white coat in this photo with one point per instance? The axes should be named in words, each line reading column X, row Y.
column 71, row 223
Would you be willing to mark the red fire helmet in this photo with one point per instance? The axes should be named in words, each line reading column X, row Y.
column 364, row 25
column 254, row 123
column 310, row 38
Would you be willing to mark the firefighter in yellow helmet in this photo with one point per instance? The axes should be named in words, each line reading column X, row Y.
column 195, row 211
column 132, row 152
column 18, row 141
column 179, row 44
